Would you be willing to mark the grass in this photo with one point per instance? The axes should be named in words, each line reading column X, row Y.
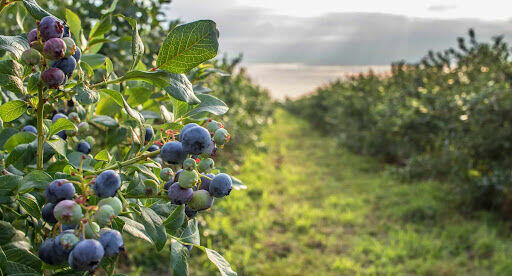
column 311, row 208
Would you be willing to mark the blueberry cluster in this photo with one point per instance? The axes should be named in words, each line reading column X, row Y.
column 195, row 185
column 52, row 47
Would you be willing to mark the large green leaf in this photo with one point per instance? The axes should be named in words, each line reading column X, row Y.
column 60, row 125
column 14, row 44
column 174, row 221
column 74, row 23
column 102, row 26
column 10, row 111
column 94, row 60
column 153, row 225
column 85, row 95
column 209, row 104
column 3, row 261
column 30, row 206
column 11, row 67
column 219, row 261
column 135, row 229
column 59, row 146
column 35, row 180
column 35, row 10
column 7, row 232
column 12, row 83
column 188, row 45
column 22, row 155
column 105, row 121
column 179, row 259
column 181, row 89
column 18, row 139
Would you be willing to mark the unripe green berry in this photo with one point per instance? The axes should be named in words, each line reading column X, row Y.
column 221, row 136
column 90, row 140
column 74, row 117
column 68, row 212
column 105, row 215
column 113, row 202
column 201, row 200
column 91, row 230
column 166, row 174
column 83, row 128
column 70, row 46
column 206, row 165
column 213, row 126
column 150, row 187
column 188, row 179
column 31, row 57
column 189, row 164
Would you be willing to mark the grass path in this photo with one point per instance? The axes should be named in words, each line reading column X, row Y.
column 312, row 208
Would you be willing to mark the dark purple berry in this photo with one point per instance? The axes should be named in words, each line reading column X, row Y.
column 53, row 77
column 221, row 185
column 78, row 54
column 112, row 242
column 178, row 195
column 55, row 48
column 58, row 116
column 149, row 134
column 47, row 213
column 67, row 65
column 196, row 140
column 83, row 147
column 49, row 28
column 32, row 35
column 172, row 152
column 205, row 182
column 107, row 183
column 185, row 128
column 86, row 255
column 59, row 190
column 30, row 128
column 153, row 148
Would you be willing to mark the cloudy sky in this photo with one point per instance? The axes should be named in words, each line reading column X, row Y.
column 325, row 33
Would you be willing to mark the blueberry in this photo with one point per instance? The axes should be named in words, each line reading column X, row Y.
column 113, row 202
column 36, row 45
column 54, row 48
column 211, row 151
column 221, row 185
column 167, row 185
column 189, row 164
column 83, row 147
column 62, row 134
column 153, row 148
column 58, row 190
column 213, row 126
column 179, row 195
column 188, row 179
column 78, row 54
column 31, row 57
column 65, row 242
column 74, row 116
column 32, row 35
column 177, row 175
column 65, row 33
column 86, row 255
column 201, row 200
column 107, row 183
column 67, row 65
column 221, row 136
column 196, row 140
column 166, row 174
column 53, row 77
column 172, row 152
column 112, row 242
column 50, row 28
column 185, row 128
column 29, row 128
column 70, row 46
column 205, row 182
column 105, row 215
column 206, row 165
column 68, row 212
column 149, row 134
column 47, row 213
column 91, row 230
column 83, row 128
column 190, row 213
column 48, row 253
column 69, row 227
column 58, row 116
column 150, row 187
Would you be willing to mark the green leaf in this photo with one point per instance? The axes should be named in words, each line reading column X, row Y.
column 35, row 180
column 181, row 89
column 179, row 259
column 135, row 229
column 97, row 40
column 138, row 95
column 237, row 183
column 12, row 83
column 109, row 67
column 219, row 261
column 158, row 78
column 85, row 95
column 154, row 227
column 7, row 232
column 103, row 155
column 14, row 44
column 94, row 60
column 19, row 138
column 174, row 221
column 11, row 67
column 36, row 11
column 3, row 261
column 10, row 111
column 22, row 155
column 102, row 26
column 59, row 146
column 188, row 45
column 30, row 206
column 209, row 104
column 75, row 159
column 115, row 95
column 191, row 233
column 14, row 268
column 104, row 121
column 137, row 44
column 5, row 134
column 74, row 23
column 60, row 125
column 24, row 257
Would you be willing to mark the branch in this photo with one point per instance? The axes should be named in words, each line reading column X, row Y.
column 129, row 162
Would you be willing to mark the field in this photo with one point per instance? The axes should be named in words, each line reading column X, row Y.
column 315, row 208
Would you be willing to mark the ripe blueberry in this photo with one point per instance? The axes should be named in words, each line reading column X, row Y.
column 221, row 185
column 58, row 116
column 58, row 190
column 55, row 48
column 153, row 148
column 201, row 200
column 112, row 242
column 68, row 212
column 107, row 183
column 205, row 182
column 149, row 134
column 179, row 195
column 67, row 65
column 53, row 77
column 113, row 202
column 189, row 164
column 29, row 128
column 206, row 165
column 196, row 140
column 172, row 152
column 31, row 57
column 190, row 213
column 86, row 255
column 83, row 147
column 166, row 174
column 50, row 28
column 185, row 128
column 188, row 179
column 48, row 253
column 167, row 185
column 32, row 35
column 78, row 54
column 47, row 213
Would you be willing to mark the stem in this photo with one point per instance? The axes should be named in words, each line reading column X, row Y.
column 131, row 161
column 120, row 79
column 146, row 197
column 112, row 267
column 40, row 133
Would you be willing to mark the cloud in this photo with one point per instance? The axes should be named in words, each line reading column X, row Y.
column 441, row 8
column 331, row 39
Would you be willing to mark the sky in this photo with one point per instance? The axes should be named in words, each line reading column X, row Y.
column 317, row 34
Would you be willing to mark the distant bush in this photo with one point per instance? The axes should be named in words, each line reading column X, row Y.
column 446, row 117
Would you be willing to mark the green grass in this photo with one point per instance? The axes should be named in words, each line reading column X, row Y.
column 312, row 208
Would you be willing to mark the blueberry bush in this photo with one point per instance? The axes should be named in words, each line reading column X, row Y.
column 91, row 153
